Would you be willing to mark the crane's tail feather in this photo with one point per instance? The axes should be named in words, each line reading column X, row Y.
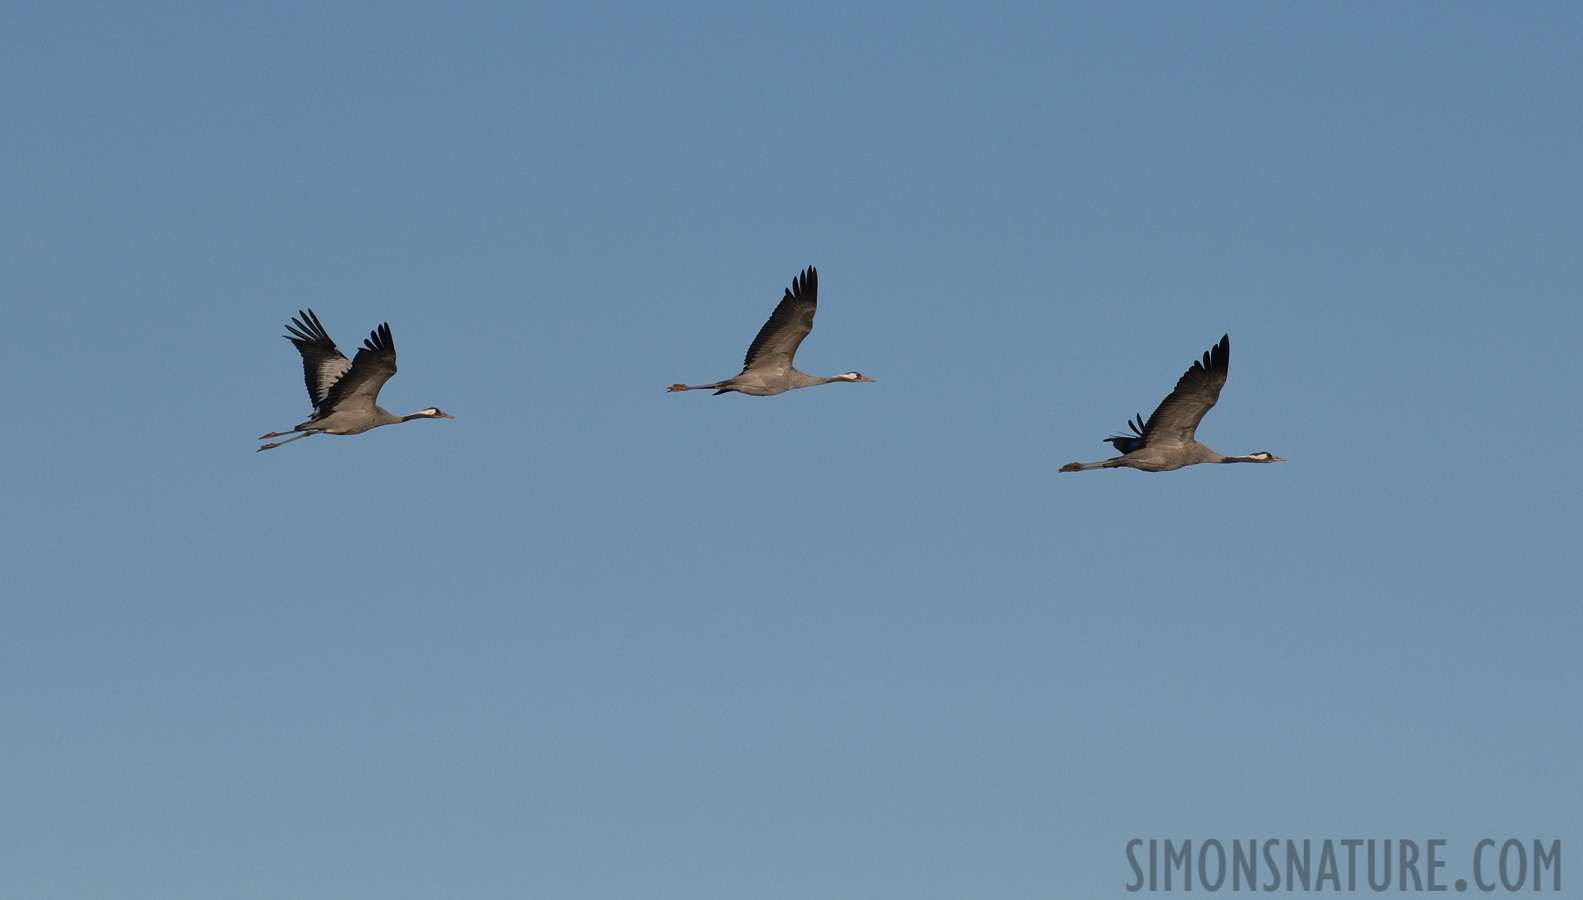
column 1126, row 443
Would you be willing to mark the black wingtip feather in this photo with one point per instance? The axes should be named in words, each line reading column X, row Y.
column 379, row 339
column 805, row 286
column 1216, row 358
column 306, row 328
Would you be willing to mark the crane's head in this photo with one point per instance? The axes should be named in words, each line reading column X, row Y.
column 430, row 413
column 1263, row 456
column 852, row 376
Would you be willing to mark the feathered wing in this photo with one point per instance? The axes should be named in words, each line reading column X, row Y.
column 359, row 388
column 323, row 363
column 778, row 340
column 1176, row 419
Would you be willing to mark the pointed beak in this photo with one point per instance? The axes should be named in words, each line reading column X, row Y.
column 862, row 378
column 1277, row 459
column 446, row 416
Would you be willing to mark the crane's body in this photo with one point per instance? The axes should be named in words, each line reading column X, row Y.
column 1166, row 441
column 767, row 370
column 344, row 390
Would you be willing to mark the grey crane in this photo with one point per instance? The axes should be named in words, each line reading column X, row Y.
column 344, row 390
column 1166, row 442
column 768, row 367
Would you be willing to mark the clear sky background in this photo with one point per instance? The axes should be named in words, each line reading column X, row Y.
column 591, row 639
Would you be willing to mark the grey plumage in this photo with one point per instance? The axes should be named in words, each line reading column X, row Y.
column 767, row 369
column 1166, row 441
column 344, row 390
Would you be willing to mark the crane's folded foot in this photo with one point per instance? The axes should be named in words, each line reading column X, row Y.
column 676, row 387
column 267, row 446
column 1071, row 467
column 270, row 435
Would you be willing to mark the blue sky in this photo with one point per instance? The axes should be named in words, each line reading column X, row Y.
column 593, row 640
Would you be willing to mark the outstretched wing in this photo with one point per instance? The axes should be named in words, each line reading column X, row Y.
column 359, row 388
column 323, row 363
column 1177, row 417
column 778, row 340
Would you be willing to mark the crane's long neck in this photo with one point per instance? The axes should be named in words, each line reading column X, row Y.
column 430, row 413
column 1260, row 457
column 803, row 379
